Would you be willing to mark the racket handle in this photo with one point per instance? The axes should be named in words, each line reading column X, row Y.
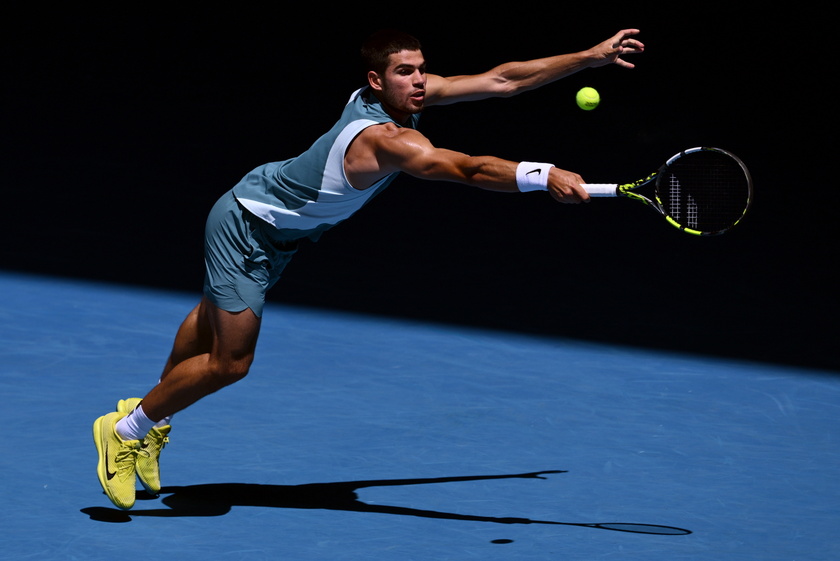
column 601, row 189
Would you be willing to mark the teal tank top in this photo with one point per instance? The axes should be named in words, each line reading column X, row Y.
column 304, row 196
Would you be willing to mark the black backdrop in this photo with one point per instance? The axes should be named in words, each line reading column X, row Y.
column 121, row 128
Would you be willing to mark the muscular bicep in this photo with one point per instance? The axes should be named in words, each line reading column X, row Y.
column 408, row 151
column 385, row 149
column 414, row 154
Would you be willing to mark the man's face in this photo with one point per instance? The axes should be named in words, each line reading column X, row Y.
column 402, row 88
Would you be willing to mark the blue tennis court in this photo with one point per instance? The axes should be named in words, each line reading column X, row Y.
column 364, row 437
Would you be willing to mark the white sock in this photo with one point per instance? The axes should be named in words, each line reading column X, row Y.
column 135, row 425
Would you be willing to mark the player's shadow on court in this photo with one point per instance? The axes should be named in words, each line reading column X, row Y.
column 217, row 499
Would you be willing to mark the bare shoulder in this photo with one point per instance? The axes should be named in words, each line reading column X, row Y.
column 382, row 131
column 377, row 151
column 378, row 131
column 386, row 137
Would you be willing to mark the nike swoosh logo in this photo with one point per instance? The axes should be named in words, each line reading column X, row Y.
column 108, row 473
column 537, row 171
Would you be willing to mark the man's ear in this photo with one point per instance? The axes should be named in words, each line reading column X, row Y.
column 374, row 80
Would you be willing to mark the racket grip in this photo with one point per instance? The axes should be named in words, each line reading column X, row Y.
column 601, row 189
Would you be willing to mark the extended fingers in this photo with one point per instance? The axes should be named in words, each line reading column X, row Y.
column 626, row 35
column 627, row 45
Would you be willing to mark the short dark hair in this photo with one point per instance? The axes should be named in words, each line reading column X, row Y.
column 382, row 44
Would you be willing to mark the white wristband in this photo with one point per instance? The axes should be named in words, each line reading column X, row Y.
column 532, row 176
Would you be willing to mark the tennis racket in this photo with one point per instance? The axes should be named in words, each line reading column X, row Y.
column 702, row 191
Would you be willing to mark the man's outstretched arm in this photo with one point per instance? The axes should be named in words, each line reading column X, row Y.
column 512, row 78
column 386, row 149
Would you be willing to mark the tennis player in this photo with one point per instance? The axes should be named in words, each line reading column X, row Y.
column 254, row 229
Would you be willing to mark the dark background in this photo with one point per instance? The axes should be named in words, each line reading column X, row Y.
column 121, row 128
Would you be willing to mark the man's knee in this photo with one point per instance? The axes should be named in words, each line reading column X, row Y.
column 234, row 341
column 228, row 371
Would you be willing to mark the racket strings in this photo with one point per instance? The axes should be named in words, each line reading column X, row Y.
column 707, row 191
column 686, row 213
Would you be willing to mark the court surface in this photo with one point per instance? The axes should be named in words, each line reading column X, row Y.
column 370, row 438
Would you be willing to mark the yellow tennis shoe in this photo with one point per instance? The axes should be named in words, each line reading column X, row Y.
column 117, row 459
column 148, row 460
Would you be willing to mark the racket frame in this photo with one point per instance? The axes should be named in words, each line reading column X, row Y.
column 629, row 190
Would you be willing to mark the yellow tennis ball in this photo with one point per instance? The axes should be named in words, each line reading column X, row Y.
column 588, row 98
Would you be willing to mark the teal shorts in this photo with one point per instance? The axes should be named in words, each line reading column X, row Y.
column 242, row 256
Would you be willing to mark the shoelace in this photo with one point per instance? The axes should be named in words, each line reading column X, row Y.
column 125, row 460
column 153, row 440
column 143, row 452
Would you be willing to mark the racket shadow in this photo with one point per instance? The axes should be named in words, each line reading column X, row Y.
column 217, row 499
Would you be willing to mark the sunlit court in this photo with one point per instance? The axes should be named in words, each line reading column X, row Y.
column 362, row 437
